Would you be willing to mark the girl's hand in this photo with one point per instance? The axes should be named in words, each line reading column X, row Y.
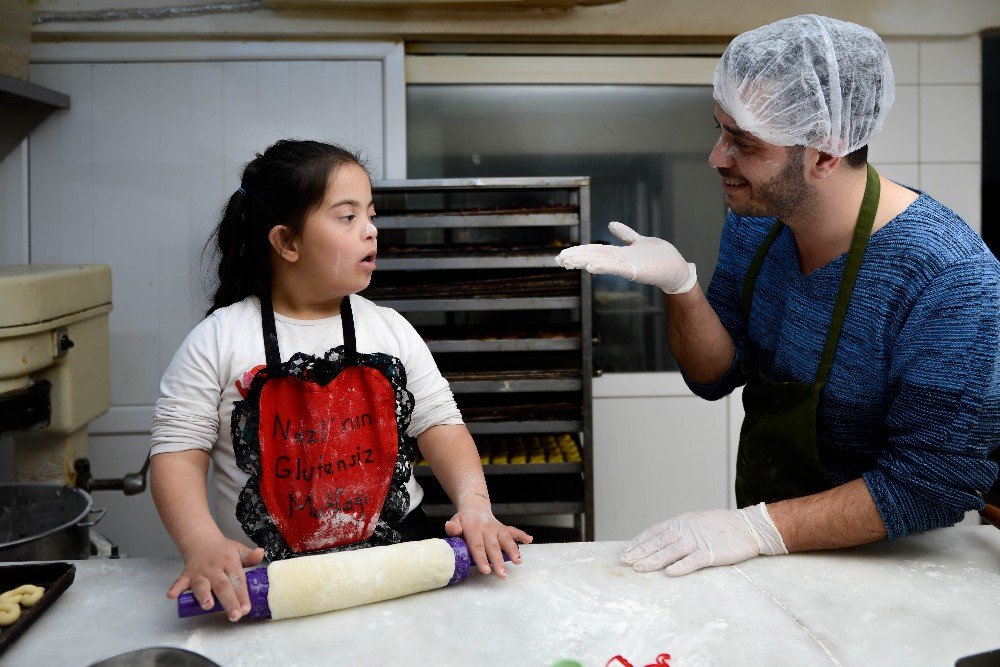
column 216, row 566
column 486, row 536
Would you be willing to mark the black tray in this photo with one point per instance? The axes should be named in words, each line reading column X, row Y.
column 54, row 577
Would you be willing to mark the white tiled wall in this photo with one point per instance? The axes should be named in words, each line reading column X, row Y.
column 932, row 139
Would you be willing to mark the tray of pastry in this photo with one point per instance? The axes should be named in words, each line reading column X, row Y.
column 519, row 412
column 463, row 382
column 511, row 375
column 501, row 339
column 496, row 284
column 510, row 453
column 446, row 250
column 21, row 603
column 469, row 256
column 498, row 216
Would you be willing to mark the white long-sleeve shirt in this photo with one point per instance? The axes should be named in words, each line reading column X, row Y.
column 198, row 389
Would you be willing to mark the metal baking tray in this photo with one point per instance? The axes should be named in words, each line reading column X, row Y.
column 469, row 220
column 531, row 303
column 53, row 577
column 504, row 345
column 459, row 262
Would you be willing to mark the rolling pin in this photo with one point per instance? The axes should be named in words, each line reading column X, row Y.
column 327, row 582
column 991, row 514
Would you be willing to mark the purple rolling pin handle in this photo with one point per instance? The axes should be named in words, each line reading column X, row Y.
column 463, row 560
column 256, row 586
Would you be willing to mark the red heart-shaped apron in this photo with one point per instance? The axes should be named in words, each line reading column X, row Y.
column 327, row 436
column 326, row 454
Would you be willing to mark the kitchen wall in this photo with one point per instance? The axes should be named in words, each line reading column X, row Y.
column 14, row 206
column 933, row 137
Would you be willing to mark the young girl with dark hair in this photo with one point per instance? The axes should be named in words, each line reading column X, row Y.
column 309, row 400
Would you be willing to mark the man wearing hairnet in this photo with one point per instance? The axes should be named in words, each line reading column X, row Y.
column 862, row 316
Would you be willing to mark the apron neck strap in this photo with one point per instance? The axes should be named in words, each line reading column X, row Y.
column 751, row 279
column 862, row 230
column 347, row 321
column 272, row 354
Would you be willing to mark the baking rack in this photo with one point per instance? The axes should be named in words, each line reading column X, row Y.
column 514, row 339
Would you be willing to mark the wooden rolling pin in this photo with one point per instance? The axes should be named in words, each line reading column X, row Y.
column 327, row 582
column 991, row 513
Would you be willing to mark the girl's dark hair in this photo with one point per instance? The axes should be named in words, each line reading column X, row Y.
column 281, row 186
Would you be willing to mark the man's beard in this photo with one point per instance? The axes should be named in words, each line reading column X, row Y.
column 783, row 196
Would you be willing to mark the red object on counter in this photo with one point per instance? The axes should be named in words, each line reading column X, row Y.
column 661, row 661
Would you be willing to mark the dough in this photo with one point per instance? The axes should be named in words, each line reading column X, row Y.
column 315, row 584
column 26, row 595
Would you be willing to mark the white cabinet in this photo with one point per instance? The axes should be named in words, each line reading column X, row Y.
column 659, row 450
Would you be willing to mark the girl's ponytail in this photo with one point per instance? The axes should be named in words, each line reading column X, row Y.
column 244, row 268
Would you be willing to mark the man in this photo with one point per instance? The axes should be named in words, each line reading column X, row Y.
column 864, row 324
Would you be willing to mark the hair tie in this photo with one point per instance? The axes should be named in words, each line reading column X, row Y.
column 242, row 191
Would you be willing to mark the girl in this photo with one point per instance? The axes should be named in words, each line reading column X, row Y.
column 306, row 397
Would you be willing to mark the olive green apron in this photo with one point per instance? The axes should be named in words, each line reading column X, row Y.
column 778, row 456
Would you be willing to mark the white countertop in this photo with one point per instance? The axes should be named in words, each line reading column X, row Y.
column 924, row 600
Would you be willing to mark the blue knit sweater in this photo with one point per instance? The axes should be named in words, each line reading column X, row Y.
column 912, row 403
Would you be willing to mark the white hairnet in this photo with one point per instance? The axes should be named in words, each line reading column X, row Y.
column 807, row 81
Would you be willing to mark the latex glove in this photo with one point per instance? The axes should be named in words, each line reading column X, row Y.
column 695, row 540
column 486, row 536
column 216, row 566
column 644, row 259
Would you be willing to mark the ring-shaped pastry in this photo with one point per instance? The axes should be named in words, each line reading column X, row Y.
column 26, row 595
column 9, row 613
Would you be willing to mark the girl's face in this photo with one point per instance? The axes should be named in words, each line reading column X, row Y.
column 338, row 241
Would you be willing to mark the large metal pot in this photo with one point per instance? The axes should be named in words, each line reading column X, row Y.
column 45, row 522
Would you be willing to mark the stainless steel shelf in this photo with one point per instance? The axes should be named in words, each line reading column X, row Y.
column 528, row 303
column 641, row 310
column 516, row 469
column 468, row 221
column 15, row 91
column 513, row 386
column 505, row 345
column 487, row 428
column 511, row 509
column 480, row 262
column 505, row 204
column 23, row 106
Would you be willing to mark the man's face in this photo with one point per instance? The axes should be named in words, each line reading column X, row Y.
column 759, row 179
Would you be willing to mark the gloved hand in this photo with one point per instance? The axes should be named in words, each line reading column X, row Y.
column 644, row 259
column 695, row 540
